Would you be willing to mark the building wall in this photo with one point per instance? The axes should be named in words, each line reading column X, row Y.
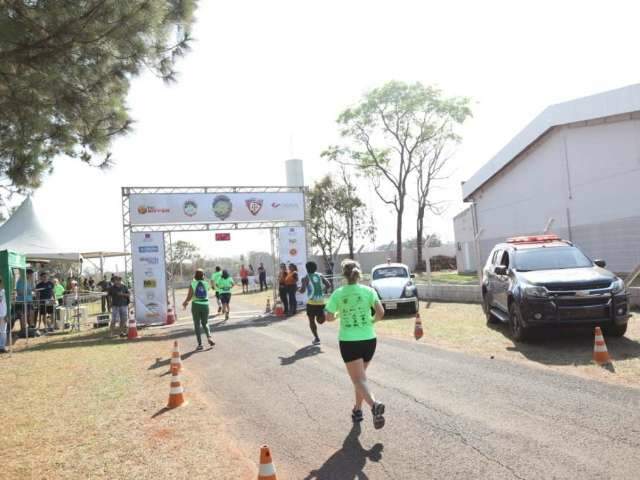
column 464, row 242
column 586, row 176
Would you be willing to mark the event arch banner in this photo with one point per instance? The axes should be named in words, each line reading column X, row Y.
column 184, row 208
column 149, row 277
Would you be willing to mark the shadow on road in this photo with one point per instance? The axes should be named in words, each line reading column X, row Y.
column 568, row 346
column 304, row 352
column 249, row 323
column 348, row 462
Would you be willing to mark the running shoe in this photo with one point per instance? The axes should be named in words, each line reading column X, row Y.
column 316, row 341
column 211, row 342
column 356, row 415
column 199, row 348
column 226, row 316
column 378, row 415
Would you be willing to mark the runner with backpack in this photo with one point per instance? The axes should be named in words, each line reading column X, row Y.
column 199, row 297
column 313, row 285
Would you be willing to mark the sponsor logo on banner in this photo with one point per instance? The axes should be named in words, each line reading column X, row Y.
column 148, row 273
column 153, row 310
column 149, row 260
column 284, row 205
column 293, row 241
column 144, row 209
column 190, row 208
column 222, row 207
column 254, row 205
column 150, row 283
column 151, row 295
column 293, row 252
column 147, row 237
column 153, row 249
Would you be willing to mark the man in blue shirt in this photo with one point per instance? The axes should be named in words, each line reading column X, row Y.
column 44, row 289
column 24, row 300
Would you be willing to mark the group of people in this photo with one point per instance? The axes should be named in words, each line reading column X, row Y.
column 246, row 273
column 357, row 307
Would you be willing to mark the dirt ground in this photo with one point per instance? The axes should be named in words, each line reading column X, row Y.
column 83, row 406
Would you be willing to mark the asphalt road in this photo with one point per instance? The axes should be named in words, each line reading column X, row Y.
column 449, row 415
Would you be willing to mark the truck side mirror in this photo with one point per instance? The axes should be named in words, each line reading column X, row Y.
column 500, row 270
column 600, row 263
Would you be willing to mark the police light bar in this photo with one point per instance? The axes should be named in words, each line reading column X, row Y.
column 534, row 239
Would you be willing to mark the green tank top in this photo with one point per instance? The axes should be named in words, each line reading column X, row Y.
column 200, row 292
column 314, row 290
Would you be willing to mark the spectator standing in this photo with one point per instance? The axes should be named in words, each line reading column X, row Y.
column 282, row 288
column 119, row 294
column 105, row 300
column 24, row 291
column 58, row 291
column 244, row 279
column 262, row 277
column 3, row 319
column 292, row 287
column 45, row 300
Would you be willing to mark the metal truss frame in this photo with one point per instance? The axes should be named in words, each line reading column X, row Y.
column 128, row 228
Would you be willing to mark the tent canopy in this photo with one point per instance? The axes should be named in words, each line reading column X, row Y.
column 24, row 233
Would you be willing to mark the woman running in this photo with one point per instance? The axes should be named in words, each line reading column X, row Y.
column 225, row 284
column 199, row 292
column 282, row 288
column 353, row 303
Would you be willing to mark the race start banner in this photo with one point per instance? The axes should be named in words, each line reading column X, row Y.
column 149, row 280
column 293, row 249
column 169, row 208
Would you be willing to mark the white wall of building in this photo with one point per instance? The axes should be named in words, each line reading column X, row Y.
column 586, row 176
column 464, row 242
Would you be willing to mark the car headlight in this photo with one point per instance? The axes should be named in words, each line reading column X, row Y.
column 617, row 286
column 410, row 290
column 537, row 292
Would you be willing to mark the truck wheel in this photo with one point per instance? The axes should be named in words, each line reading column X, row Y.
column 491, row 319
column 615, row 330
column 518, row 331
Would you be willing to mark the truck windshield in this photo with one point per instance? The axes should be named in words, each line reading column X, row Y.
column 550, row 258
column 389, row 272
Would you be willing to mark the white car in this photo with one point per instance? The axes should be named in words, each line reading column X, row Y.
column 395, row 287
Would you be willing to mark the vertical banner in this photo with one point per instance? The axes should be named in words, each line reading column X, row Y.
column 149, row 277
column 293, row 249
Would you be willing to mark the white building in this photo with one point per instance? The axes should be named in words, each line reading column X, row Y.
column 577, row 163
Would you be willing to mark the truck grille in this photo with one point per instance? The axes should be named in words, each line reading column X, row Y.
column 565, row 287
column 584, row 313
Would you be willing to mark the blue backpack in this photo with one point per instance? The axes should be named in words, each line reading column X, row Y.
column 201, row 291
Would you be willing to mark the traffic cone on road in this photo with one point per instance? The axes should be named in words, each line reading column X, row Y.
column 176, row 361
column 176, row 392
column 171, row 317
column 600, row 352
column 132, row 332
column 417, row 330
column 267, row 470
column 268, row 308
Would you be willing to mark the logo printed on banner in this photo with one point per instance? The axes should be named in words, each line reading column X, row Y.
column 284, row 205
column 149, row 260
column 190, row 208
column 222, row 207
column 153, row 310
column 293, row 252
column 148, row 272
column 275, row 205
column 151, row 283
column 254, row 205
column 147, row 237
column 142, row 210
column 153, row 249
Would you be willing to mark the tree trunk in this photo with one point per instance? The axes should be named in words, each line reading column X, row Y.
column 419, row 235
column 400, row 213
column 350, row 235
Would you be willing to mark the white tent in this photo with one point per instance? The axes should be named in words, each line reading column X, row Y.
column 24, row 233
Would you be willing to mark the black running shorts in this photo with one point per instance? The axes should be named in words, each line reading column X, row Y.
column 361, row 349
column 316, row 311
column 225, row 298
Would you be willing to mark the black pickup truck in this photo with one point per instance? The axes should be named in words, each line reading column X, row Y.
column 546, row 281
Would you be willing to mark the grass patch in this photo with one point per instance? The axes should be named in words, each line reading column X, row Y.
column 448, row 277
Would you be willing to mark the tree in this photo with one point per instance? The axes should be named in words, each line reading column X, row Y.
column 444, row 116
column 386, row 133
column 326, row 221
column 65, row 71
column 357, row 221
column 181, row 251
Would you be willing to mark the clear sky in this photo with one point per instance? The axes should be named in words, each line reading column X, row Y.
column 265, row 82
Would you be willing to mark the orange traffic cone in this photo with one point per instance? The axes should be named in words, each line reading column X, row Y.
column 267, row 469
column 171, row 317
column 132, row 333
column 417, row 330
column 600, row 352
column 268, row 308
column 176, row 392
column 176, row 361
